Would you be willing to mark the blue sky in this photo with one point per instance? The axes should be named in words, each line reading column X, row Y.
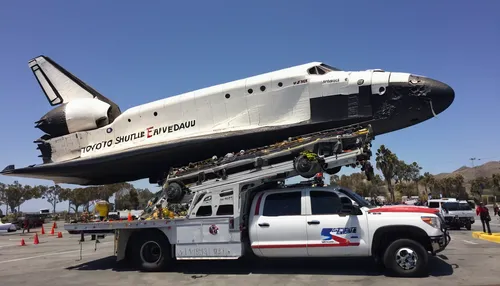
column 134, row 53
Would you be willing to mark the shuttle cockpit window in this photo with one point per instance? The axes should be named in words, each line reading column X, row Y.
column 329, row 68
column 316, row 70
column 321, row 69
column 312, row 71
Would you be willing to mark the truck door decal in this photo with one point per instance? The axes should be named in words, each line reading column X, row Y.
column 331, row 237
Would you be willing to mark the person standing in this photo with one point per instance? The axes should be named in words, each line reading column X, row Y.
column 483, row 213
column 26, row 224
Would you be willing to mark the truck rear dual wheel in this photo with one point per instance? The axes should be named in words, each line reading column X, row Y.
column 151, row 252
column 406, row 258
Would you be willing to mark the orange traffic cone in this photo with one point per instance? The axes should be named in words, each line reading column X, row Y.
column 22, row 242
column 54, row 225
column 129, row 218
column 36, row 239
column 43, row 230
column 59, row 235
column 52, row 231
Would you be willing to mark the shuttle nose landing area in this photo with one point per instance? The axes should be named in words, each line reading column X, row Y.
column 438, row 95
column 410, row 100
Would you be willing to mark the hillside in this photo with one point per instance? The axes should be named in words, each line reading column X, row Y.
column 485, row 170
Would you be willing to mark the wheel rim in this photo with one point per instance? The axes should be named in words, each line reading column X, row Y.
column 151, row 252
column 406, row 258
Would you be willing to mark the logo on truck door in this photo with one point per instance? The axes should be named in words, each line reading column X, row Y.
column 331, row 236
column 213, row 229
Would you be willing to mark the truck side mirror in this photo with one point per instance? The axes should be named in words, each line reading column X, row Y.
column 350, row 209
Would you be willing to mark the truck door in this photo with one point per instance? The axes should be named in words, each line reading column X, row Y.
column 329, row 233
column 280, row 225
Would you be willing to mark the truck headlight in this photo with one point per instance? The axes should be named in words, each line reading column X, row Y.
column 432, row 221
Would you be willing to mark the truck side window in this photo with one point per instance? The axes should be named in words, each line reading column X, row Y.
column 225, row 210
column 204, row 211
column 282, row 204
column 323, row 203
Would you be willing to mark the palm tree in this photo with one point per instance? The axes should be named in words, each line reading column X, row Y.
column 386, row 163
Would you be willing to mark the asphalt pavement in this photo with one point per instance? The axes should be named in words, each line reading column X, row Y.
column 56, row 261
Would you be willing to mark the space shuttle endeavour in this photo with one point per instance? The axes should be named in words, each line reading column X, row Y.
column 88, row 140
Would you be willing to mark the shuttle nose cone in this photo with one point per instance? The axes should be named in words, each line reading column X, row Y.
column 439, row 95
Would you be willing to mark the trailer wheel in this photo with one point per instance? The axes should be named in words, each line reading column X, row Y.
column 406, row 258
column 151, row 251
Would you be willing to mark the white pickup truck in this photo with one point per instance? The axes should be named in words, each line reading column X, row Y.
column 253, row 215
column 456, row 213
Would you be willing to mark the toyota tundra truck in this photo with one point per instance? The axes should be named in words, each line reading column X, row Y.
column 254, row 215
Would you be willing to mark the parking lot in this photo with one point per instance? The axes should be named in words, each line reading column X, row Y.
column 56, row 261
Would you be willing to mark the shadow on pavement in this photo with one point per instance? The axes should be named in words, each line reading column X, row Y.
column 338, row 266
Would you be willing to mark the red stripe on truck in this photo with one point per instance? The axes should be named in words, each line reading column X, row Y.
column 304, row 245
column 257, row 205
column 404, row 209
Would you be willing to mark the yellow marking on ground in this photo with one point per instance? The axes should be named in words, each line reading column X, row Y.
column 494, row 237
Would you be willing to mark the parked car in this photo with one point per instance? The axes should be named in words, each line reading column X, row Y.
column 36, row 220
column 9, row 227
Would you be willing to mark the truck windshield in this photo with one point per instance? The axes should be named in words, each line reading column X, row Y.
column 451, row 206
column 464, row 207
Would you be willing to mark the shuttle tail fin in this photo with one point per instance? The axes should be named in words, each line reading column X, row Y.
column 60, row 86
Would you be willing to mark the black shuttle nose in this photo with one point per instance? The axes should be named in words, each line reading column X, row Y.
column 439, row 95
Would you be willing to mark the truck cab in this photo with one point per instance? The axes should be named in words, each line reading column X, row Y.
column 336, row 222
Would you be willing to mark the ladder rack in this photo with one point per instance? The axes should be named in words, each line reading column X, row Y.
column 281, row 171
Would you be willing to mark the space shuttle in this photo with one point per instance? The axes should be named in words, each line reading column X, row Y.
column 89, row 140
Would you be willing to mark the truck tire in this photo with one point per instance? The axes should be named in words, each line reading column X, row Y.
column 151, row 252
column 468, row 226
column 406, row 258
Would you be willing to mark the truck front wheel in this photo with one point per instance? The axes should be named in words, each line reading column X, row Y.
column 468, row 225
column 151, row 252
column 406, row 258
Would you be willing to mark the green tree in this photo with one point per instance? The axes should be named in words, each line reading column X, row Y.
column 357, row 182
column 348, row 181
column 52, row 194
column 3, row 197
column 477, row 186
column 77, row 197
column 386, row 163
column 144, row 196
column 16, row 194
column 414, row 174
column 401, row 172
column 495, row 183
column 427, row 180
column 406, row 189
column 134, row 199
column 121, row 191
